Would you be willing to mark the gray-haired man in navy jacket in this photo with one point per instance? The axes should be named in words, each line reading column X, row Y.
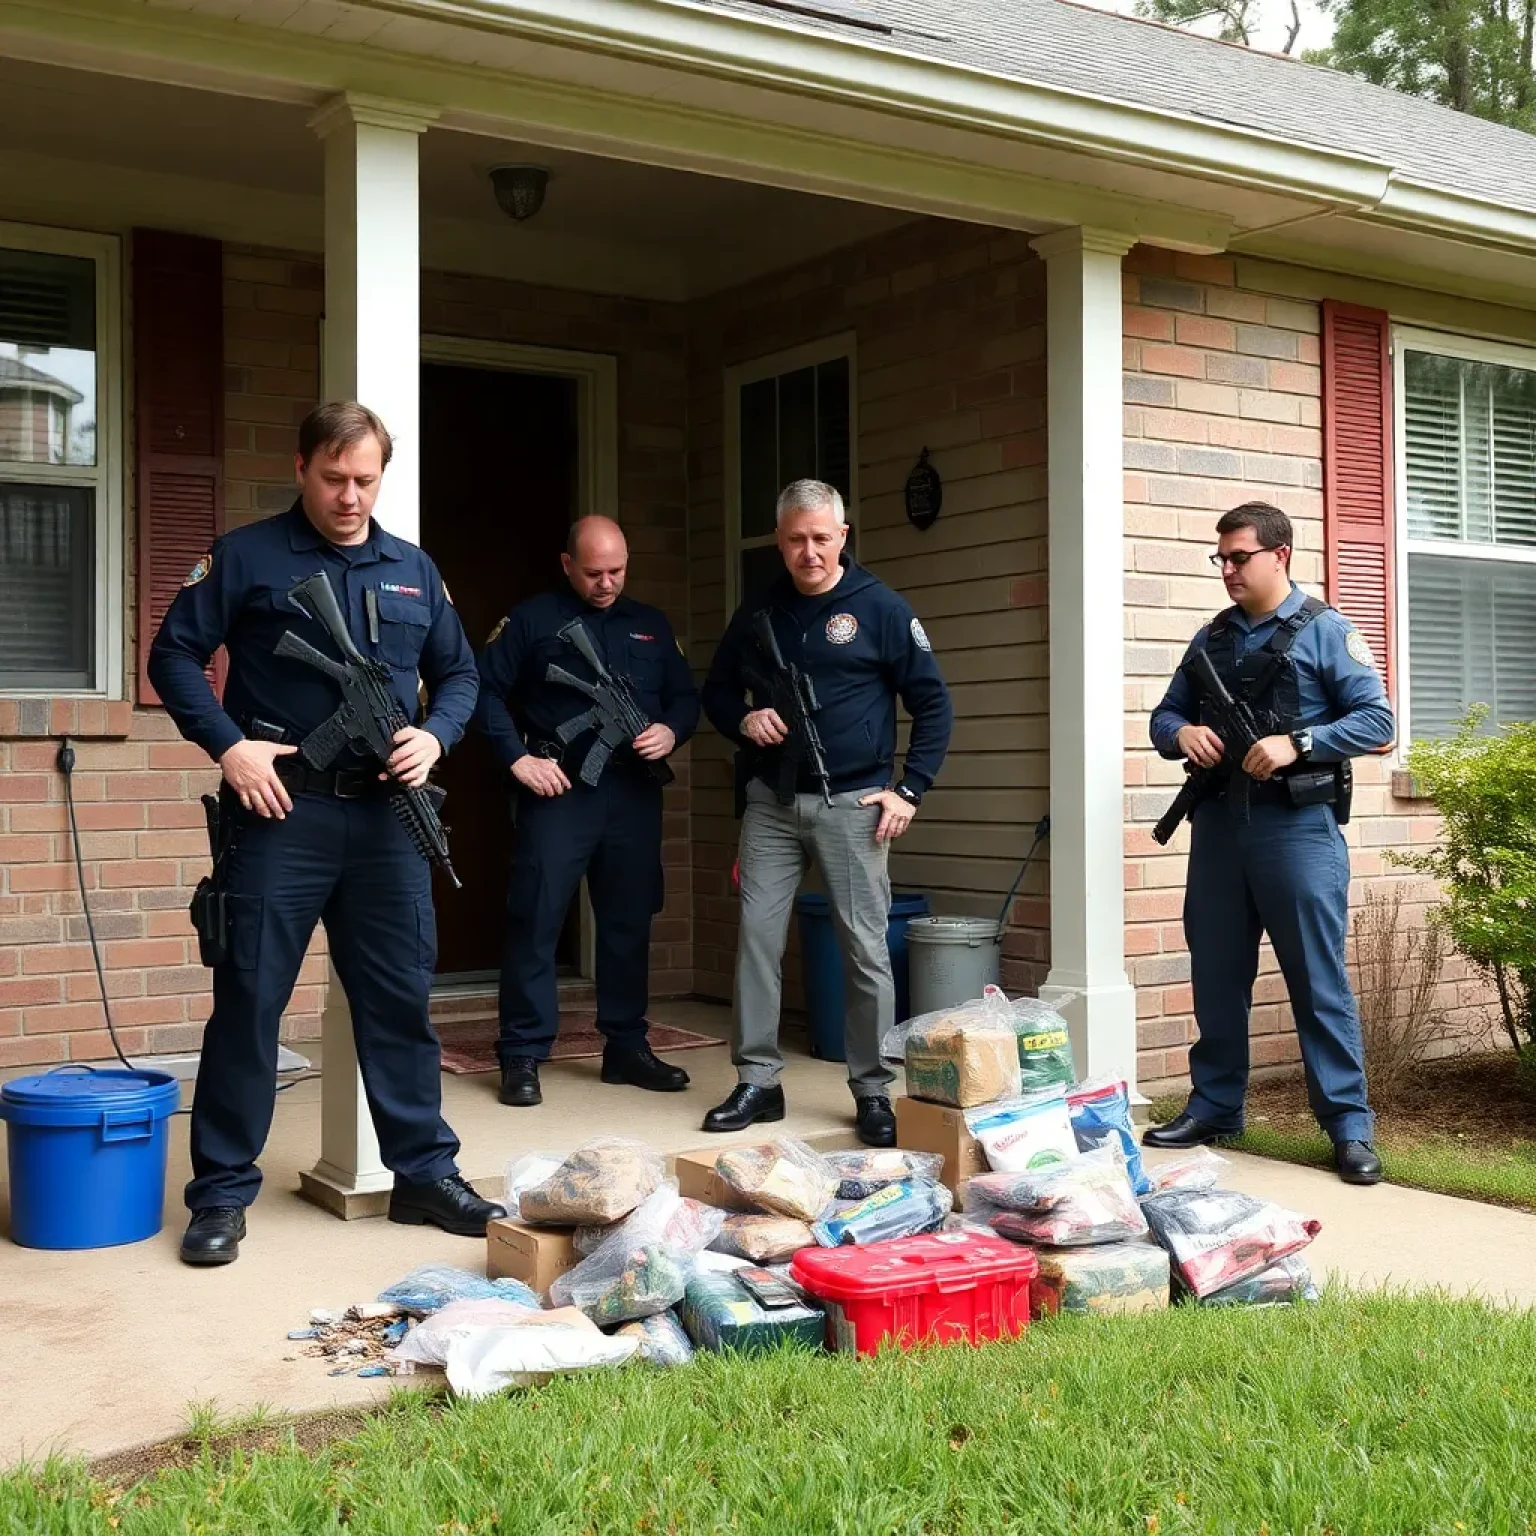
column 862, row 648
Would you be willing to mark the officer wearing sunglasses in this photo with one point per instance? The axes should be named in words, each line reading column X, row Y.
column 1266, row 853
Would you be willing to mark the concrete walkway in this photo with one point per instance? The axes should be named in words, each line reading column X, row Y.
column 106, row 1349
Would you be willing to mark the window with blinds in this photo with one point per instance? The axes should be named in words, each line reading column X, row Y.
column 1469, row 448
column 791, row 418
column 49, row 470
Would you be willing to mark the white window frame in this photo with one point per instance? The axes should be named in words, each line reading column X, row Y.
column 106, row 478
column 827, row 350
column 1475, row 349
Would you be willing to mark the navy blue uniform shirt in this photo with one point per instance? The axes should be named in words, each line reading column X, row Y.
column 863, row 648
column 1340, row 697
column 517, row 702
column 237, row 597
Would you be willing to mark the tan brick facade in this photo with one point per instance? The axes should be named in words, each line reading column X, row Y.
column 1222, row 405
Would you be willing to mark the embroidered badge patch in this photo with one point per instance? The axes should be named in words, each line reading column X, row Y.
column 390, row 586
column 198, row 571
column 1359, row 651
column 841, row 628
column 634, row 636
column 920, row 636
column 501, row 624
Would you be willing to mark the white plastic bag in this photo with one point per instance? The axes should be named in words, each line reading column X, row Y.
column 1199, row 1168
column 1020, row 1135
column 523, row 1173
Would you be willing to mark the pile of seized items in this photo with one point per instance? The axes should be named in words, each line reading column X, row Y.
column 604, row 1258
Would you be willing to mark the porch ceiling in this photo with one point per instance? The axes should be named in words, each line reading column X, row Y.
column 123, row 151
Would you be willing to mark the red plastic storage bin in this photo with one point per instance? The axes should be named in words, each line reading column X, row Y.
column 940, row 1288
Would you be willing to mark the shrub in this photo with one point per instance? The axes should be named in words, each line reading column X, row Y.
column 1397, row 970
column 1484, row 786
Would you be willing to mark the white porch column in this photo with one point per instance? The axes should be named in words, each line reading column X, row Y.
column 372, row 354
column 1087, row 643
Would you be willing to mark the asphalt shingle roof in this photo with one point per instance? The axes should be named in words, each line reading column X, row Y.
column 1099, row 53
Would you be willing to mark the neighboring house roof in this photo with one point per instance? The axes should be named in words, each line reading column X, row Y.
column 1097, row 53
column 17, row 376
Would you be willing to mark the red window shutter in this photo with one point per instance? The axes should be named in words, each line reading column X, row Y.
column 178, row 380
column 1358, row 475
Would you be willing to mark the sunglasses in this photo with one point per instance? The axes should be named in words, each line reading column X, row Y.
column 1240, row 557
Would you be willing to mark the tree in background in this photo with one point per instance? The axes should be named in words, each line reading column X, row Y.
column 1235, row 19
column 1473, row 55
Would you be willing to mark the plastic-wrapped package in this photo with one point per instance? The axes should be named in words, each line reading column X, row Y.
column 763, row 1239
column 664, row 1217
column 1218, row 1237
column 863, row 1170
column 1068, row 1205
column 524, row 1173
column 660, row 1337
column 1111, row 1277
column 720, row 1313
column 1199, row 1168
column 628, row 1284
column 1045, row 1046
column 1032, row 1131
column 487, row 1345
column 1280, row 1285
column 430, row 1287
column 963, row 1056
column 783, row 1177
column 601, row 1181
column 1101, row 1115
column 898, row 1210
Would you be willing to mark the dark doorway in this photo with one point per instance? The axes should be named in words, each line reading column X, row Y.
column 499, row 477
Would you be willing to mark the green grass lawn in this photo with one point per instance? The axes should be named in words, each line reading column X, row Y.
column 1356, row 1417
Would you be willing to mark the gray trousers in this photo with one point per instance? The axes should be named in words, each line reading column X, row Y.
column 776, row 842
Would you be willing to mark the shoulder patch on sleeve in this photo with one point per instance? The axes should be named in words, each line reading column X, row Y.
column 501, row 624
column 920, row 635
column 1358, row 650
column 199, row 571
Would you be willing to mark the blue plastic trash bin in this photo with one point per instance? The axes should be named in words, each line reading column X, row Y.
column 822, row 966
column 87, row 1153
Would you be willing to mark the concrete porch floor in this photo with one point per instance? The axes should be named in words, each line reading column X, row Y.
column 107, row 1348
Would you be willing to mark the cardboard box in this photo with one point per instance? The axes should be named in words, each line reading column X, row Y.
column 697, row 1180
column 925, row 1127
column 535, row 1255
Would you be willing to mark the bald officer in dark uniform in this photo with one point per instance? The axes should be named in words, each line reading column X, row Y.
column 309, row 845
column 609, row 831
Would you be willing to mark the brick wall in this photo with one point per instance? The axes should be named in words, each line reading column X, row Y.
column 1222, row 405
column 951, row 356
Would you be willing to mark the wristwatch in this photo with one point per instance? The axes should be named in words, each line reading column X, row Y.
column 1302, row 741
column 910, row 795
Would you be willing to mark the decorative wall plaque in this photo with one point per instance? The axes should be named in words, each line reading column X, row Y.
column 925, row 493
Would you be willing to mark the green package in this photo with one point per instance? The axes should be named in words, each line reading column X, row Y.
column 719, row 1313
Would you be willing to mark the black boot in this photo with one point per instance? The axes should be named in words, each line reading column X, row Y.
column 1356, row 1162
column 875, row 1125
column 1183, row 1132
column 450, row 1204
column 520, row 1082
column 746, row 1105
column 638, row 1066
column 213, row 1235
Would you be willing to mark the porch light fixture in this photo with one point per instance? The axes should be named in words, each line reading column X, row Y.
column 519, row 189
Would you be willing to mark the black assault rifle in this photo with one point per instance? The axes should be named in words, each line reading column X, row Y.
column 370, row 716
column 615, row 712
column 792, row 696
column 1238, row 726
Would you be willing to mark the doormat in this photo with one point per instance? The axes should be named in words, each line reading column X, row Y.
column 470, row 1045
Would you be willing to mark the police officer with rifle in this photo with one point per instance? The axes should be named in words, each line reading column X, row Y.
column 1273, row 698
column 585, row 693
column 805, row 683
column 332, row 627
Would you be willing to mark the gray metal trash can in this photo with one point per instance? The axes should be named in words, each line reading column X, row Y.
column 952, row 959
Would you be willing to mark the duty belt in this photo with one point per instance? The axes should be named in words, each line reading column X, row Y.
column 343, row 783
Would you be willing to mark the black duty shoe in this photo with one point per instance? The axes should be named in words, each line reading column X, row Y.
column 747, row 1104
column 1183, row 1131
column 213, row 1235
column 1357, row 1162
column 639, row 1067
column 450, row 1204
column 520, row 1082
column 875, row 1125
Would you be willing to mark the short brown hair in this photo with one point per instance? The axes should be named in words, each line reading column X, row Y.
column 342, row 424
column 1271, row 524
